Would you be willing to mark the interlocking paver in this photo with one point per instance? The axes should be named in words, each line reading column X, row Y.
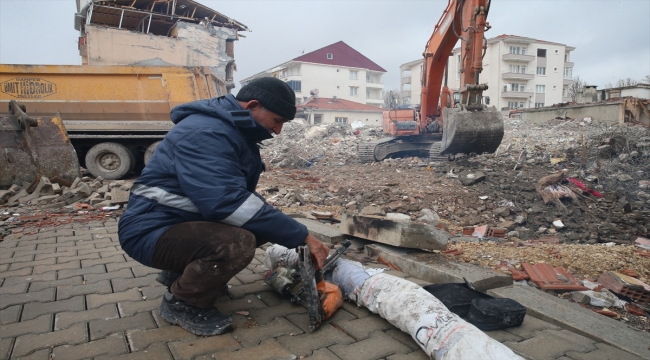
column 503, row 336
column 252, row 336
column 112, row 259
column 141, row 270
column 63, row 320
column 237, row 292
column 323, row 354
column 10, row 315
column 244, row 304
column 95, row 301
column 13, row 299
column 268, row 350
column 65, row 259
column 15, row 273
column 39, row 325
column 101, row 328
column 29, row 250
column 266, row 315
column 14, row 289
column 157, row 351
column 40, row 285
column 71, row 336
column 68, row 291
column 604, row 352
column 361, row 328
column 21, row 265
column 97, row 269
column 111, row 345
column 270, row 298
column 530, row 326
column 249, row 278
column 109, row 253
column 153, row 291
column 37, row 355
column 403, row 337
column 182, row 350
column 50, row 268
column 119, row 274
column 61, row 254
column 34, row 309
column 355, row 310
column 5, row 347
column 129, row 308
column 416, row 355
column 27, row 278
column 21, row 259
column 304, row 344
column 550, row 344
column 122, row 265
column 125, row 284
column 377, row 345
column 140, row 339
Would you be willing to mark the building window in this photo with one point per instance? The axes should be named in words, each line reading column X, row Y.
column 512, row 104
column 367, row 94
column 541, row 52
column 540, row 89
column 515, row 87
column 541, row 70
column 330, row 56
column 568, row 71
column 521, row 104
column 354, row 90
column 354, row 75
column 342, row 120
column 539, row 105
column 515, row 50
column 318, row 118
column 523, row 51
column 514, row 68
column 295, row 85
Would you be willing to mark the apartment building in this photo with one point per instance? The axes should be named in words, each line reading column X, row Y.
column 520, row 72
column 335, row 71
column 159, row 33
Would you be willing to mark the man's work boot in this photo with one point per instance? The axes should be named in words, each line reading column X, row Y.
column 198, row 321
column 167, row 277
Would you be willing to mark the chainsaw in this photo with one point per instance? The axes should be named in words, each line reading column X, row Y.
column 321, row 297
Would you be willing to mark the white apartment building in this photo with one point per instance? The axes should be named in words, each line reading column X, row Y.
column 520, row 72
column 335, row 71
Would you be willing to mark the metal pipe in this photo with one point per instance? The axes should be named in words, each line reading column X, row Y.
column 89, row 16
column 121, row 18
column 149, row 26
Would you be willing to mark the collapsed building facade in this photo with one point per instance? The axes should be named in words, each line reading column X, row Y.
column 157, row 32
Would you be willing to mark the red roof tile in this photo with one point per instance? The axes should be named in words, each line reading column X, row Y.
column 342, row 55
column 322, row 103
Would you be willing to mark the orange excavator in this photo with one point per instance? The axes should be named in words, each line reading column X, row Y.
column 443, row 126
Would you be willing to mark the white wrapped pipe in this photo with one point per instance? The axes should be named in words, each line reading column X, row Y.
column 278, row 255
column 442, row 334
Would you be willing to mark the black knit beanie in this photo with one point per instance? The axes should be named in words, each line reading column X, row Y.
column 274, row 94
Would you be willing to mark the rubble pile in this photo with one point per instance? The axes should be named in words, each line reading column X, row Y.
column 47, row 200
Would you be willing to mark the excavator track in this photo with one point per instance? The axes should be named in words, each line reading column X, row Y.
column 366, row 151
column 434, row 153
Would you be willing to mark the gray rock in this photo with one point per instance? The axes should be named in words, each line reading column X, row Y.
column 428, row 216
column 468, row 178
column 398, row 217
column 372, row 210
column 624, row 178
column 502, row 211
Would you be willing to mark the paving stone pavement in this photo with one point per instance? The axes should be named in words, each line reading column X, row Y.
column 70, row 292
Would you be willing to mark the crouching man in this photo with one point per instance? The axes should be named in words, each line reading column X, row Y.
column 194, row 212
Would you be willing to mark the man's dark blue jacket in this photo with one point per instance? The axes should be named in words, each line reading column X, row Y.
column 206, row 169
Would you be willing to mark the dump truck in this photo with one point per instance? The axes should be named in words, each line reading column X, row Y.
column 114, row 116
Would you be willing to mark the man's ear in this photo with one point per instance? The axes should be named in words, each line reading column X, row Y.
column 250, row 105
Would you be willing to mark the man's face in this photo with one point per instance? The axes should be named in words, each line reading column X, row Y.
column 268, row 119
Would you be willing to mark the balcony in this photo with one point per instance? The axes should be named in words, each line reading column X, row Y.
column 405, row 93
column 406, row 80
column 518, row 57
column 516, row 94
column 567, row 80
column 566, row 99
column 568, row 64
column 517, row 76
column 374, row 83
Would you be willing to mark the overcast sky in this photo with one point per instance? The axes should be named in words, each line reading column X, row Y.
column 612, row 38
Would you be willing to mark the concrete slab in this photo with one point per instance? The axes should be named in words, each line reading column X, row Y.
column 396, row 233
column 579, row 320
column 324, row 233
column 435, row 268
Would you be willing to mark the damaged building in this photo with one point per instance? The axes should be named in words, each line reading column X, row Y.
column 157, row 32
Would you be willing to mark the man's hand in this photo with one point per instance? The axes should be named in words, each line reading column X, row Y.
column 318, row 251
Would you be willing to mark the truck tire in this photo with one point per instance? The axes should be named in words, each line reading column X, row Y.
column 111, row 161
column 150, row 150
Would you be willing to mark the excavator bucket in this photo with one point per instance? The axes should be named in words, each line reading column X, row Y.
column 34, row 146
column 466, row 132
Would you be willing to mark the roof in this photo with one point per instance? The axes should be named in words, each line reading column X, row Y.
column 342, row 55
column 411, row 63
column 524, row 39
column 164, row 14
column 322, row 103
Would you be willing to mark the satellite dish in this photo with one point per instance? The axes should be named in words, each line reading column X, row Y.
column 313, row 92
